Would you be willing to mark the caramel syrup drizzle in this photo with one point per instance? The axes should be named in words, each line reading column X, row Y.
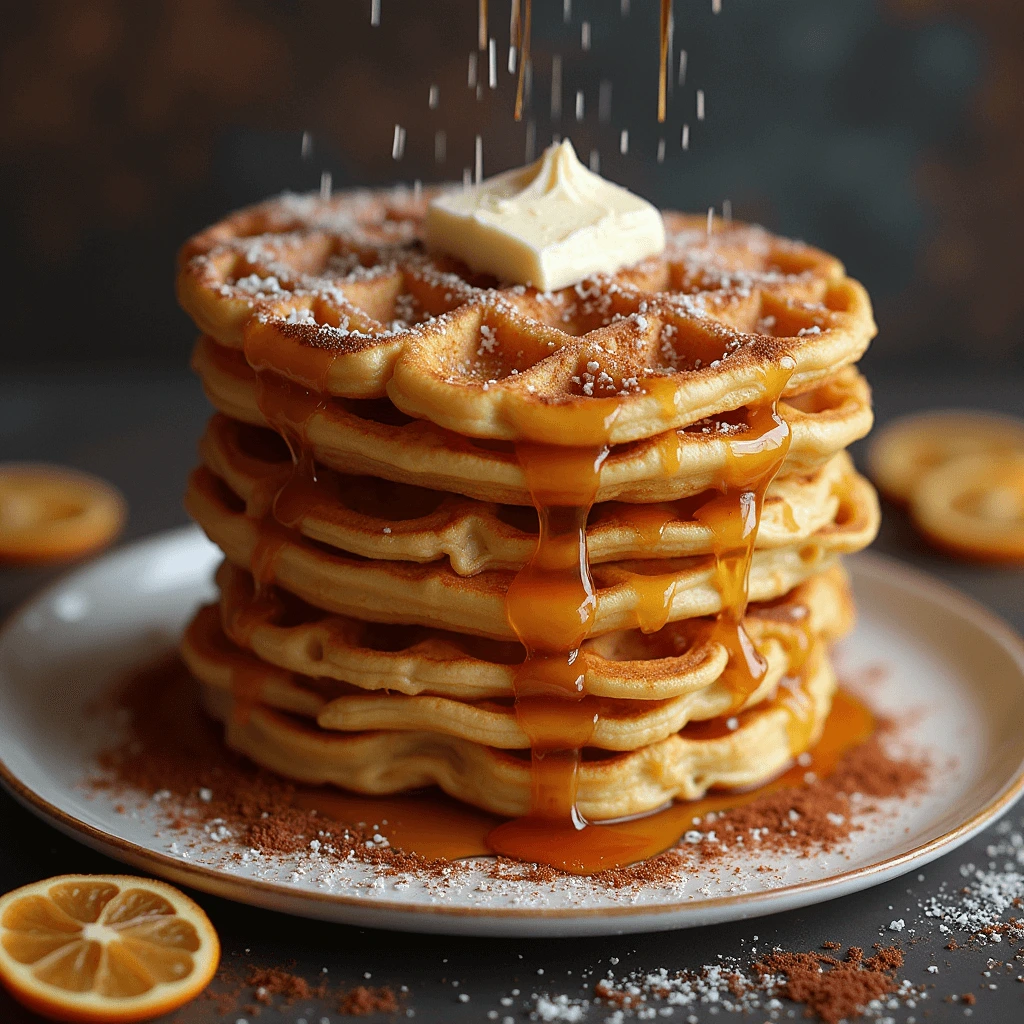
column 523, row 25
column 665, row 22
column 520, row 32
column 288, row 407
column 753, row 458
column 552, row 605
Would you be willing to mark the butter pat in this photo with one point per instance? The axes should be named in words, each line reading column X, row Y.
column 549, row 225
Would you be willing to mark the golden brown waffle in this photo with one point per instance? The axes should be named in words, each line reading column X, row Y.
column 364, row 634
column 622, row 724
column 382, row 519
column 375, row 439
column 683, row 766
column 680, row 660
column 433, row 594
column 306, row 291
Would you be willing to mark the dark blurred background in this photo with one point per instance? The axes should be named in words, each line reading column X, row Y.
column 890, row 132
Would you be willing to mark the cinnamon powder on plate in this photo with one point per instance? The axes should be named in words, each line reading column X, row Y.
column 173, row 758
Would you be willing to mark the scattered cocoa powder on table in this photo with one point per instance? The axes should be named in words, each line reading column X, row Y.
column 834, row 989
column 280, row 986
column 275, row 981
column 363, row 1000
column 830, row 989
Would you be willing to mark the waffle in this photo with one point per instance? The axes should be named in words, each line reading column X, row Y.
column 680, row 660
column 662, row 345
column 373, row 438
column 684, row 765
column 382, row 519
column 621, row 724
column 467, row 525
column 432, row 594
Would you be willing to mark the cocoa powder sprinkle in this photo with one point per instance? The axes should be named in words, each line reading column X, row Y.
column 834, row 989
column 173, row 760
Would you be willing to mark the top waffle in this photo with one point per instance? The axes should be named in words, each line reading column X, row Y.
column 339, row 296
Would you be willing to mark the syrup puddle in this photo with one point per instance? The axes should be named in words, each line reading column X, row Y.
column 433, row 825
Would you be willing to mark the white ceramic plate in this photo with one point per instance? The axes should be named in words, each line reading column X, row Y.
column 954, row 664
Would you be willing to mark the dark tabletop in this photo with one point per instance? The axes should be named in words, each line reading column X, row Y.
column 139, row 429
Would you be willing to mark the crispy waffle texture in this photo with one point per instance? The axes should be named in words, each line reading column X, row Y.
column 366, row 476
column 649, row 693
column 432, row 594
column 662, row 345
column 681, row 659
column 683, row 765
column 374, row 438
column 383, row 519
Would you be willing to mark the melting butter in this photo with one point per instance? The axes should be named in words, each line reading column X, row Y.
column 549, row 224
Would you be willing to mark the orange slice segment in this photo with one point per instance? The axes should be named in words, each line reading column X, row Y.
column 51, row 512
column 104, row 948
column 974, row 507
column 903, row 451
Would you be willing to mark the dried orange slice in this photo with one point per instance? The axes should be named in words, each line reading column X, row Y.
column 51, row 512
column 104, row 948
column 974, row 506
column 903, row 451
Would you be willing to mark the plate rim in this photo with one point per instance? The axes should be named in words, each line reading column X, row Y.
column 243, row 890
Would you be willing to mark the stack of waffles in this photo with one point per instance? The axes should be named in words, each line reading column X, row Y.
column 569, row 556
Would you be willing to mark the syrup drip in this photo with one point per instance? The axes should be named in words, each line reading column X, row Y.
column 754, row 456
column 650, row 523
column 665, row 22
column 797, row 639
column 288, row 407
column 520, row 32
column 523, row 26
column 482, row 26
column 551, row 606
column 654, row 600
column 247, row 678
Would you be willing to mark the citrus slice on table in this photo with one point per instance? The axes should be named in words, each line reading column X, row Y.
column 903, row 451
column 110, row 948
column 974, row 506
column 52, row 512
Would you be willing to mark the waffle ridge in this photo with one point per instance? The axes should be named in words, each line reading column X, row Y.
column 615, row 358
